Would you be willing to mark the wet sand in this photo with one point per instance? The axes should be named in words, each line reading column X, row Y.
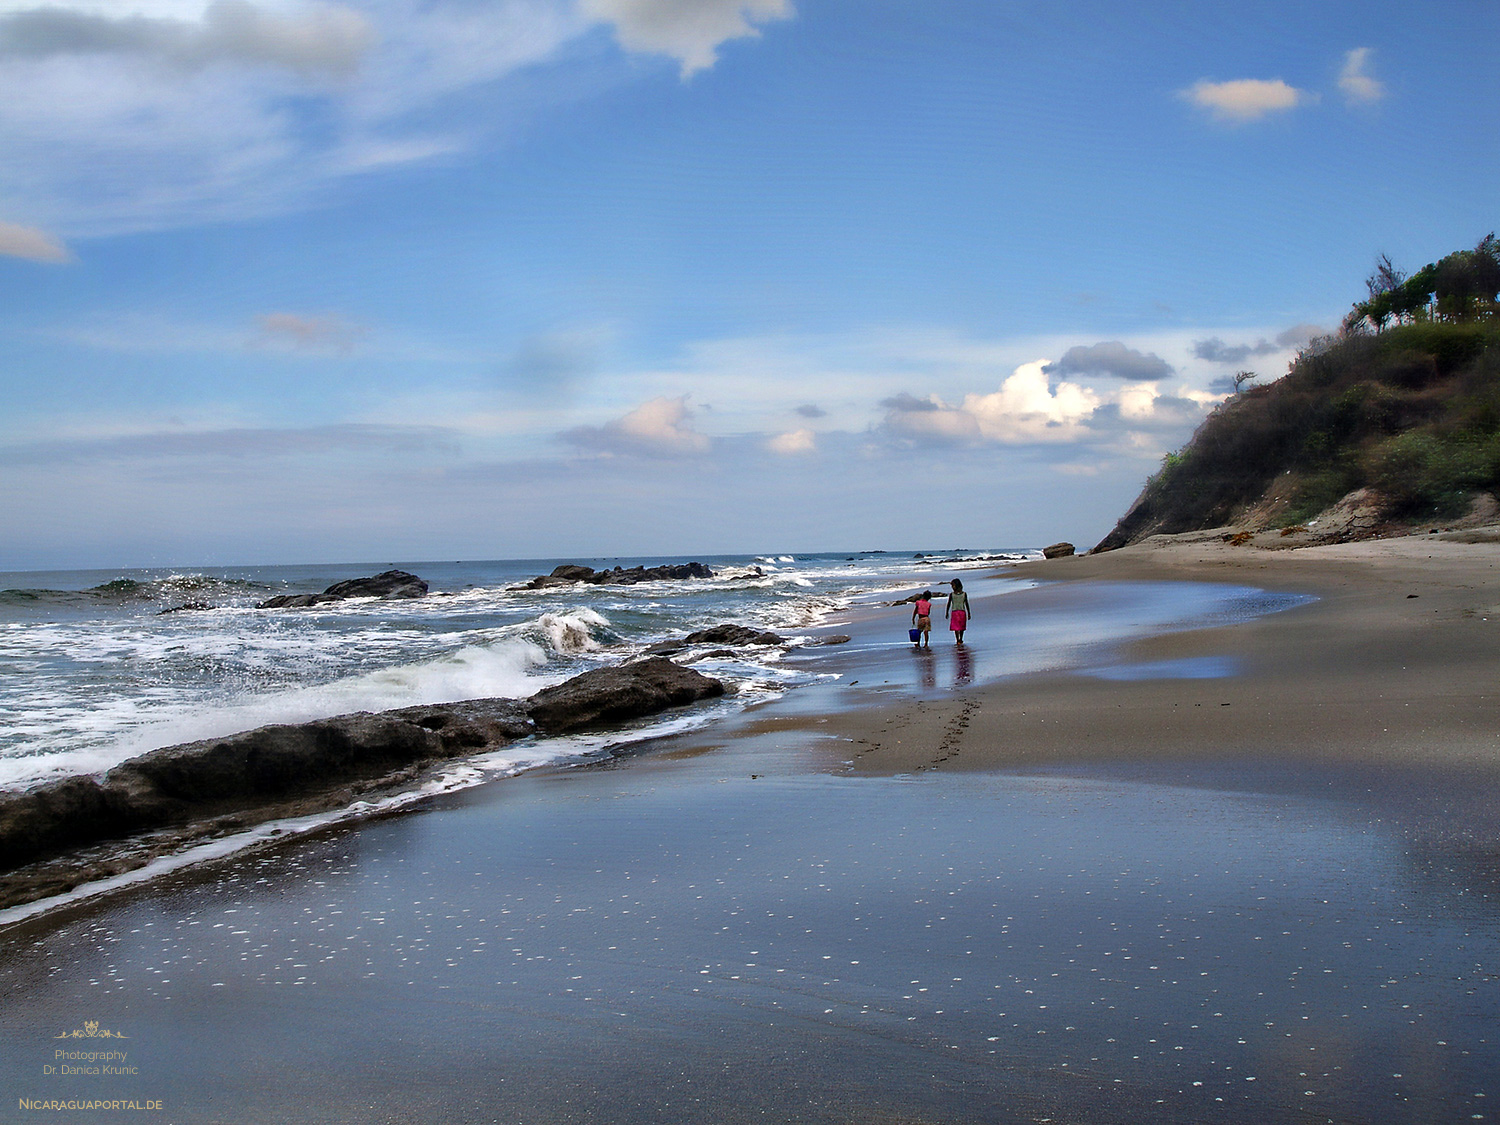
column 1396, row 662
column 1046, row 885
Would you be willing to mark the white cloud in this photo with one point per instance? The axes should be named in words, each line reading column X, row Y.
column 1138, row 402
column 28, row 242
column 319, row 38
column 1358, row 86
column 1027, row 408
column 661, row 427
column 125, row 115
column 690, row 31
column 793, row 443
column 1245, row 99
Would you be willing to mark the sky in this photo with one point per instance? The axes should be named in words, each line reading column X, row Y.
column 334, row 280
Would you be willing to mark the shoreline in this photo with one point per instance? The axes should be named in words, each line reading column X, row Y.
column 754, row 921
column 1396, row 662
column 1363, row 676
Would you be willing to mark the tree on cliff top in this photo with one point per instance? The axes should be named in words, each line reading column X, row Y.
column 1463, row 286
column 1410, row 410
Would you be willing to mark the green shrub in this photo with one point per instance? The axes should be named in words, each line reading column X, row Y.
column 1421, row 473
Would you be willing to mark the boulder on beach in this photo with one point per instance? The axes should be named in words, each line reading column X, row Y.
column 389, row 584
column 625, row 691
column 1057, row 551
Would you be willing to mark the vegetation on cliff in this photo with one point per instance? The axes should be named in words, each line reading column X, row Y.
column 1404, row 402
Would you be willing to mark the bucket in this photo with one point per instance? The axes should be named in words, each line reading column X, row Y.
column 915, row 635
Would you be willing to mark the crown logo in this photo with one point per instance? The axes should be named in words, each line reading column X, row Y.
column 91, row 1030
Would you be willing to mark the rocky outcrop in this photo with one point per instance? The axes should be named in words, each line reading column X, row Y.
column 222, row 784
column 612, row 695
column 389, row 584
column 736, row 635
column 1057, row 551
column 570, row 574
column 266, row 769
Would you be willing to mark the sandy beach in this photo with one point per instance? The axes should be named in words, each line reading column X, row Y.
column 1396, row 663
column 1239, row 873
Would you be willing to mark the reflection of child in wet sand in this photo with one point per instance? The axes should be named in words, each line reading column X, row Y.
column 958, row 611
column 921, row 617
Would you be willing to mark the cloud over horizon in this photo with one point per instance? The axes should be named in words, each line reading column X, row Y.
column 661, row 427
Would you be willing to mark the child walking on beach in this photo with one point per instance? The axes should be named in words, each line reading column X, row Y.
column 921, row 617
column 958, row 611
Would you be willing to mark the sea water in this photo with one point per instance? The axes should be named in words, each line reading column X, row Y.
column 100, row 666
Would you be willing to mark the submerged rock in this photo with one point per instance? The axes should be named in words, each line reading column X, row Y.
column 388, row 584
column 570, row 573
column 626, row 691
column 733, row 635
column 718, row 635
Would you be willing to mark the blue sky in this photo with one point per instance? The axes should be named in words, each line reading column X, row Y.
column 403, row 279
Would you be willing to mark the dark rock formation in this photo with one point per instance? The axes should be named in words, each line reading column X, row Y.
column 570, row 573
column 626, row 691
column 389, row 584
column 1057, row 551
column 262, row 769
column 717, row 635
column 733, row 635
column 187, row 792
column 185, row 607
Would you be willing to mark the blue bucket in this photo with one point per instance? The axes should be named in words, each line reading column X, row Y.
column 915, row 635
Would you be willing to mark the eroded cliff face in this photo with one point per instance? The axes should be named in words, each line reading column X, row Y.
column 1365, row 436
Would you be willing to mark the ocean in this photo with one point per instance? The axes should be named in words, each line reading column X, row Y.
column 99, row 666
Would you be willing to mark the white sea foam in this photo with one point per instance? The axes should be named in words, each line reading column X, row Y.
column 125, row 727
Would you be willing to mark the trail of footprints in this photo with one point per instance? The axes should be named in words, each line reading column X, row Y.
column 915, row 728
column 953, row 731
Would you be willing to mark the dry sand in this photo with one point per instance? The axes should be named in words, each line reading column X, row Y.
column 1396, row 664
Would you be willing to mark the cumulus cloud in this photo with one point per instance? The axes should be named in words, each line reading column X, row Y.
column 795, row 442
column 1111, row 358
column 661, row 427
column 308, row 333
column 1028, row 408
column 1355, row 81
column 321, row 38
column 32, row 244
column 689, row 31
column 929, row 421
column 1245, row 99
